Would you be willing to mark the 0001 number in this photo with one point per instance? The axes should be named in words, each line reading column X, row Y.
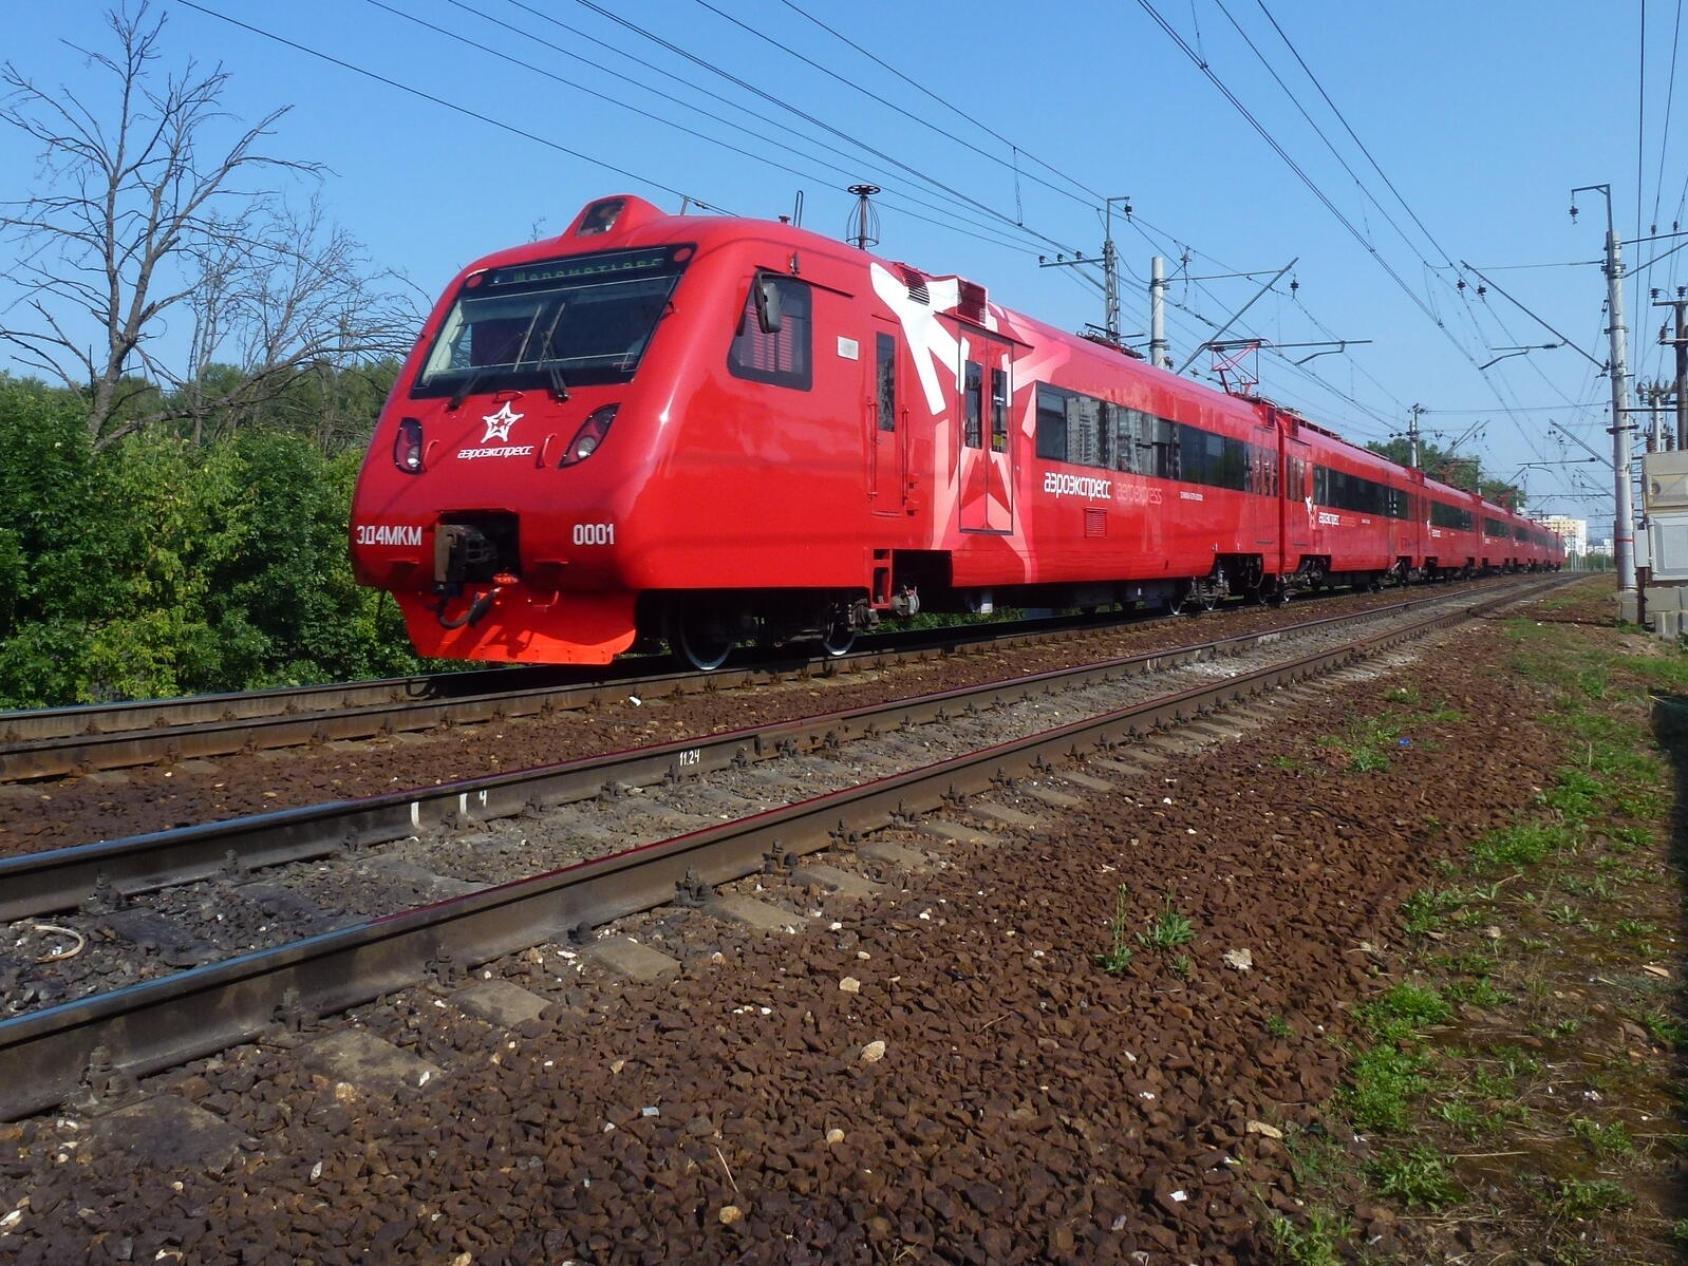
column 594, row 534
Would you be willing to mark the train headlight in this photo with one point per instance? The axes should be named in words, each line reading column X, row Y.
column 407, row 447
column 589, row 436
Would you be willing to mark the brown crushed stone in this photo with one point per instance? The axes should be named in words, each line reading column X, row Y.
column 76, row 810
column 1028, row 1107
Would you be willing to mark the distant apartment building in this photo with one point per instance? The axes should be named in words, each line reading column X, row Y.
column 1574, row 532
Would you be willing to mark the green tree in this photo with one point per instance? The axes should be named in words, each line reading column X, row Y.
column 1459, row 472
column 159, row 566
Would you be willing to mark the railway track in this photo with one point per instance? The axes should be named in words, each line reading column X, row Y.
column 45, row 1055
column 56, row 742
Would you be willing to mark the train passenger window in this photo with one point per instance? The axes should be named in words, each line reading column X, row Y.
column 1084, row 421
column 1125, row 437
column 1104, row 434
column 779, row 357
column 1444, row 515
column 885, row 371
column 1051, row 424
column 999, row 411
column 973, row 434
column 1163, row 444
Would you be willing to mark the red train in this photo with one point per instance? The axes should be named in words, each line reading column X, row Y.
column 704, row 429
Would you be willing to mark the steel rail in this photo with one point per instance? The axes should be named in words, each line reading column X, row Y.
column 43, row 883
column 55, row 742
column 47, row 1056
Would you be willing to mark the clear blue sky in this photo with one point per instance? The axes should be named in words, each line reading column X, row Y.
column 1483, row 116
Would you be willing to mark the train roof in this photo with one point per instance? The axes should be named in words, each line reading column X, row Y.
column 626, row 219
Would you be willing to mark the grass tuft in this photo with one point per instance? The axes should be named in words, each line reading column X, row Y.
column 1583, row 1197
column 1312, row 1243
column 1168, row 930
column 1419, row 1176
column 1383, row 1081
column 1117, row 957
column 1406, row 1008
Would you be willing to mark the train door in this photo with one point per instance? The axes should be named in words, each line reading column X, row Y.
column 887, row 481
column 986, row 460
column 1296, row 504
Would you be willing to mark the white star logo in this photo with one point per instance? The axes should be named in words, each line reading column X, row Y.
column 498, row 424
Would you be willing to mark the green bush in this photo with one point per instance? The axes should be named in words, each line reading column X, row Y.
column 159, row 567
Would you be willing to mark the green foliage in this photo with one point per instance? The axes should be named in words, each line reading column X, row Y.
column 1522, row 845
column 1367, row 742
column 1168, row 930
column 1603, row 1140
column 159, row 567
column 1664, row 1029
column 1418, row 1176
column 1584, row 1197
column 1383, row 1081
column 1451, row 468
column 1479, row 993
column 1403, row 1010
column 1117, row 957
column 1313, row 1243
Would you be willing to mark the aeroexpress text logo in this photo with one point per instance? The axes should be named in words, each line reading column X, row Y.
column 498, row 428
column 1091, row 489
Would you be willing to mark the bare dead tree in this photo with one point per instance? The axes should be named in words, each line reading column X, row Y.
column 143, row 214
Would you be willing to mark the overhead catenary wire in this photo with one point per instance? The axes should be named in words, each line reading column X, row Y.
column 891, row 105
column 444, row 99
column 984, row 127
column 1496, row 378
column 1300, row 173
column 1319, row 131
column 467, row 112
column 944, row 101
column 649, row 182
column 1641, row 120
column 1664, row 138
column 778, row 101
column 1354, row 136
column 850, row 173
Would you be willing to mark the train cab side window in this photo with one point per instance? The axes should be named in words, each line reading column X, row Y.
column 885, row 367
column 780, row 356
column 973, row 433
column 999, row 411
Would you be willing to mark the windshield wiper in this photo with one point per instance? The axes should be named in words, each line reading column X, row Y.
column 465, row 389
column 559, row 385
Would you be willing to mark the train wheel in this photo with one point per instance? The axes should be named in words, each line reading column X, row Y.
column 696, row 635
column 838, row 638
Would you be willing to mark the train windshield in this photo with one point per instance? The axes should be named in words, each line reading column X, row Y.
column 580, row 320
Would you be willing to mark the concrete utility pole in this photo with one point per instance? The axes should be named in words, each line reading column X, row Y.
column 1160, row 355
column 1623, row 521
column 1680, row 343
column 1412, row 434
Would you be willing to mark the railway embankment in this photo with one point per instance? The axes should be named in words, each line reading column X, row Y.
column 58, row 812
column 1134, row 1014
column 1512, row 1085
